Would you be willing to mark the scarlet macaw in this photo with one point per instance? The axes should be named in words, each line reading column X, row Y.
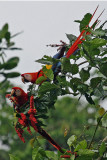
column 32, row 77
column 19, row 98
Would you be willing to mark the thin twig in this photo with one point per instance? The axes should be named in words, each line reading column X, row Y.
column 105, row 139
column 101, row 126
column 96, row 129
column 82, row 63
column 75, row 94
column 100, row 158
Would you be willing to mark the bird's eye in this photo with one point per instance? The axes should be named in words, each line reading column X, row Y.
column 28, row 77
column 18, row 92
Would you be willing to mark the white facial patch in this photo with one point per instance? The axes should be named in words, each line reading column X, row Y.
column 27, row 77
column 18, row 92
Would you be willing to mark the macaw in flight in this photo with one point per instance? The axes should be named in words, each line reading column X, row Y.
column 32, row 77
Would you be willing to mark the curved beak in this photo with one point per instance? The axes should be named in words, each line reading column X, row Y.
column 12, row 92
column 23, row 79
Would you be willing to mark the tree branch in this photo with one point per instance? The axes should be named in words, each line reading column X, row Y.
column 82, row 63
column 96, row 129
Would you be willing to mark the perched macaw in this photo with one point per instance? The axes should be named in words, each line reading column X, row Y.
column 32, row 77
column 19, row 98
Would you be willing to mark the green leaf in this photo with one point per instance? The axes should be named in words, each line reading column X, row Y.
column 5, row 27
column 72, row 157
column 74, row 69
column 51, row 155
column 47, row 87
column 48, row 72
column 84, row 157
column 34, row 153
column 40, row 80
column 103, row 69
column 94, row 52
column 78, row 21
column 3, row 31
column 65, row 64
column 104, row 121
column 102, row 149
column 83, row 88
column 8, row 36
column 101, row 111
column 47, row 60
column 85, row 21
column 86, row 152
column 41, row 151
column 89, row 98
column 1, row 66
column 81, row 145
column 11, row 63
column 95, row 81
column 10, row 44
column 12, row 74
column 39, row 154
column 71, row 37
column 74, row 82
column 62, row 81
column 13, row 157
column 97, row 42
column 99, row 91
column 84, row 74
column 32, row 141
column 71, row 140
column 97, row 32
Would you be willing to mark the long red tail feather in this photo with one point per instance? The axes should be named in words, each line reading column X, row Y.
column 79, row 40
column 46, row 136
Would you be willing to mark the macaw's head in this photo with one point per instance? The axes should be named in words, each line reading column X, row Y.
column 17, row 92
column 29, row 77
column 20, row 96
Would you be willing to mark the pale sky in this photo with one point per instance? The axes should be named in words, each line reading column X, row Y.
column 43, row 23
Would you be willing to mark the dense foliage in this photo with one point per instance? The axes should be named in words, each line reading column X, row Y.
column 89, row 82
column 7, row 45
column 76, row 80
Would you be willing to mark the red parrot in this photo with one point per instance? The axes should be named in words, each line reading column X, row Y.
column 19, row 98
column 32, row 77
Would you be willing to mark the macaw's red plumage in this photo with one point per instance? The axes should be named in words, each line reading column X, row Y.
column 31, row 77
column 79, row 40
column 18, row 96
